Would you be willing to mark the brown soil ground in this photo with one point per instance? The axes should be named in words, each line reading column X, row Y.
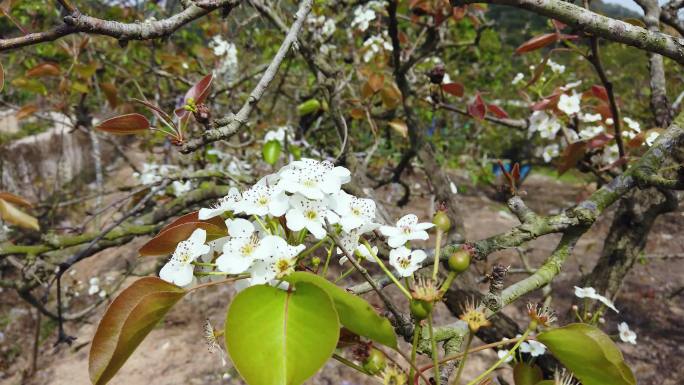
column 174, row 353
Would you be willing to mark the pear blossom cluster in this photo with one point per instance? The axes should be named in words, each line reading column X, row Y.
column 272, row 223
column 549, row 124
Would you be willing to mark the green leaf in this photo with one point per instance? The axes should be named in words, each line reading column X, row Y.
column 525, row 374
column 308, row 107
column 278, row 337
column 130, row 317
column 355, row 313
column 271, row 151
column 589, row 353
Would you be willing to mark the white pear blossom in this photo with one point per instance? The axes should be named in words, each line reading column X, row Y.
column 503, row 353
column 374, row 45
column 239, row 254
column 94, row 286
column 555, row 67
column 179, row 268
column 354, row 212
column 313, row 179
column 590, row 118
column 279, row 134
column 309, row 214
column 533, row 348
column 406, row 229
column 652, row 137
column 626, row 335
column 279, row 263
column 350, row 243
column 261, row 200
column 405, row 261
column 633, row 124
column 549, row 152
column 180, row 188
column 362, row 17
column 518, row 78
column 227, row 203
column 590, row 292
column 220, row 46
column 569, row 104
column 547, row 125
column 590, row 132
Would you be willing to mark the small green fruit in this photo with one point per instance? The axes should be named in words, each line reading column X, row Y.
column 441, row 221
column 420, row 309
column 375, row 362
column 459, row 261
column 271, row 151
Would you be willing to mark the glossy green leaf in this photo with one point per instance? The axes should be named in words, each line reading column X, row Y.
column 524, row 374
column 271, row 151
column 278, row 337
column 589, row 353
column 130, row 317
column 355, row 313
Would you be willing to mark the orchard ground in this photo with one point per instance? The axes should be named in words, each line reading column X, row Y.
column 651, row 302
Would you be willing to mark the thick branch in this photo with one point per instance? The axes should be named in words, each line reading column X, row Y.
column 602, row 26
column 77, row 22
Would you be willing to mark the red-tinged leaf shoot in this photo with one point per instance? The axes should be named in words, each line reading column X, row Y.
column 127, row 124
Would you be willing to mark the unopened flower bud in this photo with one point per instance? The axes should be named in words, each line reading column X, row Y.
column 375, row 362
column 202, row 114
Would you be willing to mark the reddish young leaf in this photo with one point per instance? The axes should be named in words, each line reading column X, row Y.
column 130, row 317
column 477, row 108
column 110, row 91
column 635, row 142
column 542, row 41
column 515, row 172
column 45, row 69
column 16, row 199
column 600, row 92
column 158, row 112
column 194, row 217
column 198, row 93
column 455, row 89
column 571, row 155
column 376, row 81
column 558, row 24
column 165, row 242
column 26, row 111
column 599, row 140
column 497, row 111
column 125, row 124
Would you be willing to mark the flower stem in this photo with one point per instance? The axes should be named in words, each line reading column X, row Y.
column 311, row 249
column 261, row 223
column 204, row 264
column 502, row 360
column 327, row 260
column 438, row 244
column 350, row 364
column 386, row 270
column 435, row 353
column 461, row 364
column 414, row 346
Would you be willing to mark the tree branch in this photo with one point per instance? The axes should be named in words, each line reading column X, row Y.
column 77, row 22
column 228, row 126
column 602, row 26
